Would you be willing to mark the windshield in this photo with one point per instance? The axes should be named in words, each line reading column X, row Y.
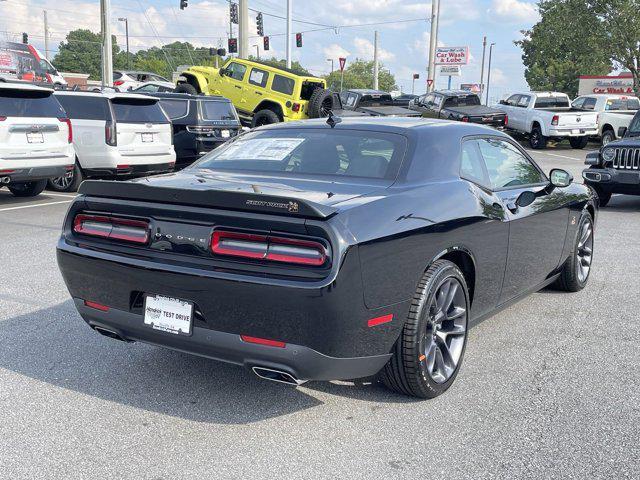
column 466, row 101
column 304, row 152
column 634, row 127
column 218, row 111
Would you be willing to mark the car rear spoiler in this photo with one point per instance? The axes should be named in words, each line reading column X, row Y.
column 253, row 202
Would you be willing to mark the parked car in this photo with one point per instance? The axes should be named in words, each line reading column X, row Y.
column 614, row 111
column 20, row 62
column 155, row 87
column 403, row 99
column 261, row 93
column 35, row 139
column 125, row 80
column 616, row 167
column 117, row 135
column 549, row 115
column 200, row 123
column 458, row 105
column 327, row 250
column 374, row 102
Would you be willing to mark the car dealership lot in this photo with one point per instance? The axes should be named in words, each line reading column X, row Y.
column 549, row 387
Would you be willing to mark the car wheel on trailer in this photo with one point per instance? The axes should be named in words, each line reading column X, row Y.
column 537, row 140
column 67, row 183
column 27, row 189
column 264, row 117
column 427, row 356
column 578, row 142
column 575, row 272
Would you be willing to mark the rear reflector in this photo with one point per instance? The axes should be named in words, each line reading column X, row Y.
column 263, row 247
column 134, row 231
column 263, row 341
column 97, row 306
column 380, row 320
column 123, row 167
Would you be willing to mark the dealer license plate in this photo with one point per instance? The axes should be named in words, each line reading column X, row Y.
column 224, row 133
column 168, row 314
column 147, row 137
column 35, row 137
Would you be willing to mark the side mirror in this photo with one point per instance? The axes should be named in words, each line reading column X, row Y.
column 560, row 178
column 622, row 131
column 222, row 72
column 593, row 158
column 503, row 102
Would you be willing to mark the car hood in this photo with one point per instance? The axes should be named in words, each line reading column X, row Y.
column 318, row 191
column 632, row 142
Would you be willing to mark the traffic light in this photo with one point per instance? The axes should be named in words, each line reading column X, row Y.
column 260, row 25
column 25, row 38
column 221, row 52
column 298, row 40
column 184, row 4
column 265, row 41
column 233, row 45
column 233, row 12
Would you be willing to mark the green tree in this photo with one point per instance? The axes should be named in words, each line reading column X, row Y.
column 359, row 74
column 568, row 41
column 81, row 52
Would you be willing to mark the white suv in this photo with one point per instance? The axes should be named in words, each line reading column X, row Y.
column 35, row 139
column 116, row 135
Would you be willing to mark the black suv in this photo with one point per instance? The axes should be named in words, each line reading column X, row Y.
column 616, row 167
column 200, row 123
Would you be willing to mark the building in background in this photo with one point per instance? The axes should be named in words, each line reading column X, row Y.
column 616, row 84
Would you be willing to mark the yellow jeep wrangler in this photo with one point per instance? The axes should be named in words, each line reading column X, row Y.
column 261, row 93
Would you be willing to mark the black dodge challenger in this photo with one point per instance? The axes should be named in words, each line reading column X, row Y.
column 324, row 250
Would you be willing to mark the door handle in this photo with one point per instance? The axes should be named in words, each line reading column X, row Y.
column 513, row 208
column 238, row 86
column 257, row 93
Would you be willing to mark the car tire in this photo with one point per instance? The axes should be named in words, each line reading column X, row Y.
column 608, row 137
column 320, row 103
column 28, row 189
column 69, row 184
column 435, row 328
column 537, row 140
column 264, row 117
column 603, row 196
column 186, row 88
column 578, row 142
column 576, row 270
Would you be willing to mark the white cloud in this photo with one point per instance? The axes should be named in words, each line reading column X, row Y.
column 364, row 49
column 516, row 11
column 335, row 51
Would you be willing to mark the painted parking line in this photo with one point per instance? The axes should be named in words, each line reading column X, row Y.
column 34, row 205
column 65, row 195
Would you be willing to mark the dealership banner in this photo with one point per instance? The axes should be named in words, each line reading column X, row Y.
column 452, row 55
column 450, row 70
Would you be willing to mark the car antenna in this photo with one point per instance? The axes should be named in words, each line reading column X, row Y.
column 332, row 120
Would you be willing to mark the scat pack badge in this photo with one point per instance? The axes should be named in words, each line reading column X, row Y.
column 292, row 207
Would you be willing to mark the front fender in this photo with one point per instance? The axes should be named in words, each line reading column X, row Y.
column 200, row 79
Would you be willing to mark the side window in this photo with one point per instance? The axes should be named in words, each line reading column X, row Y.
column 428, row 100
column 471, row 164
column 512, row 101
column 351, row 100
column 148, row 88
column 451, row 102
column 282, row 84
column 578, row 102
column 236, row 71
column 506, row 166
column 589, row 104
column 523, row 101
column 437, row 100
column 175, row 108
column 258, row 77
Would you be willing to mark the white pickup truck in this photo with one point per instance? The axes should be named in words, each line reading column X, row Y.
column 614, row 111
column 549, row 115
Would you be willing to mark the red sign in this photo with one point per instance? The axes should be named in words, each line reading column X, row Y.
column 429, row 82
column 342, row 61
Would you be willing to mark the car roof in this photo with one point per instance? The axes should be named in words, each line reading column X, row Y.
column 367, row 91
column 273, row 67
column 186, row 96
column 456, row 93
column 107, row 95
column 609, row 95
column 23, row 86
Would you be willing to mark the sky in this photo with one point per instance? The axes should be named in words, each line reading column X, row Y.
column 330, row 30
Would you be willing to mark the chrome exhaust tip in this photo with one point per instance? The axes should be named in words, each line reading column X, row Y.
column 5, row 180
column 108, row 333
column 277, row 376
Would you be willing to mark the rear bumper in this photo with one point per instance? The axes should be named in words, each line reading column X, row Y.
column 113, row 157
column 573, row 132
column 301, row 362
column 35, row 173
column 129, row 171
column 612, row 180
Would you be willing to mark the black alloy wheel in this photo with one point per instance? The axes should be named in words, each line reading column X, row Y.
column 576, row 270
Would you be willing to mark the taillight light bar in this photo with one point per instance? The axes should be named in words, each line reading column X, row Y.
column 269, row 248
column 112, row 228
column 70, row 131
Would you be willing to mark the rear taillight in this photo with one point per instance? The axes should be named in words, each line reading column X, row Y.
column 295, row 107
column 111, row 134
column 555, row 119
column 200, row 129
column 117, row 83
column 2, row 119
column 269, row 248
column 506, row 120
column 465, row 119
column 70, row 129
column 112, row 228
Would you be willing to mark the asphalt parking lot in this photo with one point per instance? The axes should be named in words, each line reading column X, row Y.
column 549, row 387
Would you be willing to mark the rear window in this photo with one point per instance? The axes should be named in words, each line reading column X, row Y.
column 304, row 152
column 24, row 103
column 85, row 107
column 623, row 104
column 282, row 84
column 138, row 111
column 551, row 102
column 175, row 108
column 218, row 111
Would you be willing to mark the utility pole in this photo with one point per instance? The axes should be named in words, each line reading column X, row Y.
column 484, row 48
column 289, row 14
column 375, row 60
column 257, row 51
column 230, row 22
column 243, row 29
column 107, row 51
column 126, row 30
column 433, row 42
column 46, row 35
column 489, row 73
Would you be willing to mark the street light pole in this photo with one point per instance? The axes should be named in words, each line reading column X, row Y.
column 484, row 48
column 107, row 49
column 257, row 51
column 330, row 60
column 46, row 35
column 289, row 14
column 433, row 42
column 126, row 29
column 243, row 29
column 375, row 60
column 489, row 73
